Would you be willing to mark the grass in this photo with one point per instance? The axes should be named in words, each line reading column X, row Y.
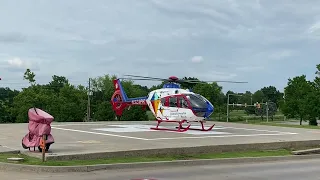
column 35, row 161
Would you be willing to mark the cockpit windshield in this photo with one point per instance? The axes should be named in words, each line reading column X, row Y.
column 196, row 101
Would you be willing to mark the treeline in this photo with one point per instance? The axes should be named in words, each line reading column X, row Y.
column 68, row 103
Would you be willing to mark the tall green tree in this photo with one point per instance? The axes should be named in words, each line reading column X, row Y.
column 296, row 94
column 271, row 94
column 30, row 76
column 6, row 105
column 62, row 100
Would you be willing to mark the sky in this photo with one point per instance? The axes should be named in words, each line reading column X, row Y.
column 263, row 42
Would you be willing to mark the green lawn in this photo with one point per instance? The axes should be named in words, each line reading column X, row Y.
column 35, row 161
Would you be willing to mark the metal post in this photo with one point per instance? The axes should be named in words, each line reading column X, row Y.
column 88, row 108
column 228, row 108
column 267, row 112
column 284, row 100
column 43, row 147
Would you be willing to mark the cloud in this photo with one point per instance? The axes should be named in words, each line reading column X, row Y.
column 224, row 40
column 196, row 59
column 18, row 63
column 12, row 38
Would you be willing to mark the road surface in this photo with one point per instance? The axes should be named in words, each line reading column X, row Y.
column 288, row 170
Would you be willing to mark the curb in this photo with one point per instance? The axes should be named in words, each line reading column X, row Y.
column 10, row 152
column 89, row 168
column 307, row 151
column 180, row 150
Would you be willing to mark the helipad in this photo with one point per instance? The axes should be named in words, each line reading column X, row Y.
column 103, row 137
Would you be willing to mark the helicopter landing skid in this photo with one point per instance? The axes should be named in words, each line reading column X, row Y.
column 180, row 128
column 197, row 129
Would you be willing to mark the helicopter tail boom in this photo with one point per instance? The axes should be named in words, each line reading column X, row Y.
column 120, row 100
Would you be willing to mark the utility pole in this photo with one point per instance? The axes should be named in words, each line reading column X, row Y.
column 267, row 111
column 88, row 106
column 284, row 100
column 228, row 108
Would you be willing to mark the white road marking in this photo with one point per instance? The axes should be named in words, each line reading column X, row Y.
column 74, row 124
column 89, row 142
column 104, row 134
column 7, row 147
column 235, row 135
column 249, row 129
column 143, row 127
column 146, row 128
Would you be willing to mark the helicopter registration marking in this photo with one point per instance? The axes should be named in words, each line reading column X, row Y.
column 139, row 101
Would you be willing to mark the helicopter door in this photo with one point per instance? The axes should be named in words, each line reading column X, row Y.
column 172, row 112
column 182, row 102
column 173, row 101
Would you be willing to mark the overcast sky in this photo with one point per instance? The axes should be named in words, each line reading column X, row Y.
column 263, row 42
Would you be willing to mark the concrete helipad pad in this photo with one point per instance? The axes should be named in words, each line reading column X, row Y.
column 100, row 137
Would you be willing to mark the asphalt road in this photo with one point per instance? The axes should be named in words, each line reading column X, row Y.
column 291, row 170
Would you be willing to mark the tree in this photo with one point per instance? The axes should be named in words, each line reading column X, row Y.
column 313, row 100
column 64, row 101
column 6, row 104
column 58, row 82
column 271, row 94
column 30, row 76
column 296, row 94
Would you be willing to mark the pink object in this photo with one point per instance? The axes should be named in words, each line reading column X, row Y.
column 39, row 125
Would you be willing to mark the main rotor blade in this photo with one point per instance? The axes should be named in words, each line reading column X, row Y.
column 182, row 80
column 146, row 77
column 196, row 81
column 139, row 79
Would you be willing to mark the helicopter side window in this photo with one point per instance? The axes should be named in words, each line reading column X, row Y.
column 182, row 102
column 173, row 102
column 163, row 101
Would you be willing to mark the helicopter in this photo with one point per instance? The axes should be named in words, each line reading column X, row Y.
column 170, row 104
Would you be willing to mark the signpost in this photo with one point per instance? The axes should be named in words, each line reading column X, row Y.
column 43, row 147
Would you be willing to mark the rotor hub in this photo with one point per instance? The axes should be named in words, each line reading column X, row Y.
column 173, row 78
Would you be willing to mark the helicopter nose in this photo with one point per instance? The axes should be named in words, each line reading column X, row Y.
column 210, row 109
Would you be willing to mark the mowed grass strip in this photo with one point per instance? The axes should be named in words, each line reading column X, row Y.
column 35, row 161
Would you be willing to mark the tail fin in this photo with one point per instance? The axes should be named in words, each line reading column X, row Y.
column 120, row 100
column 118, row 87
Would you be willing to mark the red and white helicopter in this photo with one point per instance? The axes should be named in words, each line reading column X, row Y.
column 168, row 104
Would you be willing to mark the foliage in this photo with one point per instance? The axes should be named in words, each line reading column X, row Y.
column 30, row 76
column 302, row 99
column 67, row 102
